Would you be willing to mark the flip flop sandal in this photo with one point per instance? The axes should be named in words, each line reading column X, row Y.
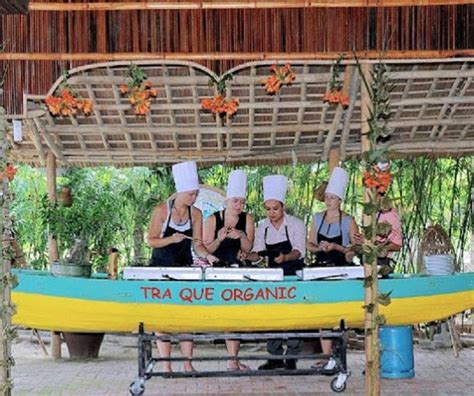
column 319, row 365
column 243, row 367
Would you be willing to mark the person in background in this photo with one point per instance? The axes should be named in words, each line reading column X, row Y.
column 331, row 234
column 282, row 238
column 332, row 231
column 175, row 226
column 228, row 233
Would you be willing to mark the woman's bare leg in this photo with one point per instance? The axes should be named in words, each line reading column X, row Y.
column 233, row 347
column 164, row 348
column 187, row 351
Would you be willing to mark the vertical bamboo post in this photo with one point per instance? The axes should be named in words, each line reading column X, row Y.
column 334, row 157
column 113, row 263
column 372, row 373
column 6, row 307
column 52, row 241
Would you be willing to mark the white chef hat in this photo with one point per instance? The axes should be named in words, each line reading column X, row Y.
column 237, row 184
column 185, row 176
column 275, row 187
column 338, row 182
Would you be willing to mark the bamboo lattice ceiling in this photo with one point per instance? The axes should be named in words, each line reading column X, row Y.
column 432, row 103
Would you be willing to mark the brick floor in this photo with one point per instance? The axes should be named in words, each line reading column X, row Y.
column 437, row 372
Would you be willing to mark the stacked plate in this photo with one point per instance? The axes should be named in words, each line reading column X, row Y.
column 439, row 264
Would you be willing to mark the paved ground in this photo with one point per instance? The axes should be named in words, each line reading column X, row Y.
column 437, row 373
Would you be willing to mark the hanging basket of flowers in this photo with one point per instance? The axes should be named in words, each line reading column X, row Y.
column 66, row 102
column 138, row 90
column 281, row 75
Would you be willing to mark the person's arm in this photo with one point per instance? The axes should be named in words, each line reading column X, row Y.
column 297, row 235
column 396, row 236
column 209, row 230
column 246, row 239
column 154, row 232
column 312, row 246
column 199, row 247
column 259, row 243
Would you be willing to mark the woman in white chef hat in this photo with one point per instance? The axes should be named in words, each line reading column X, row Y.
column 331, row 234
column 282, row 238
column 174, row 225
column 229, row 233
column 332, row 231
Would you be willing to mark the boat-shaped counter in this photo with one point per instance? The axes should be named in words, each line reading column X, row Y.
column 70, row 304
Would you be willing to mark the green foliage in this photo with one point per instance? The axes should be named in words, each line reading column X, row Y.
column 384, row 298
column 424, row 191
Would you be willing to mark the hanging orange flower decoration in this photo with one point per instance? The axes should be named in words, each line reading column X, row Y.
column 9, row 172
column 66, row 103
column 282, row 75
column 220, row 105
column 380, row 180
column 336, row 96
column 139, row 90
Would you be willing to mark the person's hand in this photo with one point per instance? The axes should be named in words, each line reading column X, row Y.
column 177, row 237
column 242, row 255
column 211, row 259
column 222, row 233
column 281, row 258
column 323, row 246
column 349, row 255
column 235, row 234
column 358, row 239
column 332, row 246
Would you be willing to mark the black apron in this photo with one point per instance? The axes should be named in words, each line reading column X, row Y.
column 229, row 248
column 333, row 258
column 285, row 247
column 175, row 254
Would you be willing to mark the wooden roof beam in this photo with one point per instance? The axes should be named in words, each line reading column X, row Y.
column 348, row 77
column 244, row 56
column 49, row 140
column 233, row 4
column 353, row 92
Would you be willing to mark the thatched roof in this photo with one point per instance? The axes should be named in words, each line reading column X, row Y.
column 432, row 102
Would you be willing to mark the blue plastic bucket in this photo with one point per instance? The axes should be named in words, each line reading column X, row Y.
column 396, row 346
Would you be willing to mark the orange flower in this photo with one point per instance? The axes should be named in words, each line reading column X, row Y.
column 377, row 179
column 282, row 75
column 66, row 104
column 335, row 97
column 219, row 105
column 139, row 96
column 10, row 172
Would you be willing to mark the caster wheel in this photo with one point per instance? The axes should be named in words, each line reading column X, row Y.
column 338, row 388
column 136, row 389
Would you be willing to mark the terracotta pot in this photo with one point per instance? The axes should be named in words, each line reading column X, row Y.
column 83, row 345
column 65, row 196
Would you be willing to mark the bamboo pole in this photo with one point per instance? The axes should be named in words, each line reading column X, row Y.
column 52, row 241
column 6, row 309
column 235, row 4
column 372, row 372
column 334, row 158
column 219, row 56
